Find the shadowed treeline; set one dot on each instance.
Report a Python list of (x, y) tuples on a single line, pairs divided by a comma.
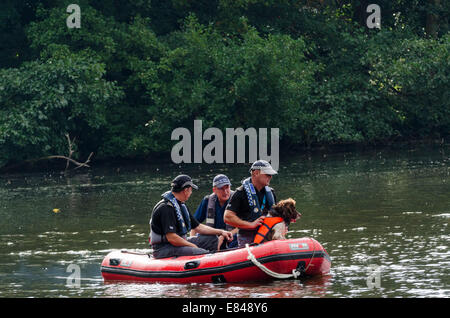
[(136, 70)]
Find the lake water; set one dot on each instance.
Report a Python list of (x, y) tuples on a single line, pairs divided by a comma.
[(382, 215)]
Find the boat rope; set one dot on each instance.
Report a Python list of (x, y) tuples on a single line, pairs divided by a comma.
[(312, 257), (295, 273)]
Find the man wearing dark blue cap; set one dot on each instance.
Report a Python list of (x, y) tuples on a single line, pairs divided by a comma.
[(251, 202), (171, 222), (213, 207)]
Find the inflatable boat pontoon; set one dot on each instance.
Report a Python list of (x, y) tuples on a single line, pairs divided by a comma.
[(274, 259)]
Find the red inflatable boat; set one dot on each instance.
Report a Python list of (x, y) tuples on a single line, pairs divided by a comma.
[(274, 259)]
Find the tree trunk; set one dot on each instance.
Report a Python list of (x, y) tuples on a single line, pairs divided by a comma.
[(432, 26), (359, 13)]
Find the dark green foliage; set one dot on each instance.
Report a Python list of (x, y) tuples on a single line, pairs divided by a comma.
[(136, 70), (247, 82), (414, 75), (40, 102)]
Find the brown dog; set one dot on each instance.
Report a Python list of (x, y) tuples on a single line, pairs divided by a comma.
[(287, 211)]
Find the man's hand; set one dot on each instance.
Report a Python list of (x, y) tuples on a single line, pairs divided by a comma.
[(258, 222), (232, 219), (227, 235)]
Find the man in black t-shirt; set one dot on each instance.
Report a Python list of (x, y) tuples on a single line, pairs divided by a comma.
[(171, 222), (251, 202)]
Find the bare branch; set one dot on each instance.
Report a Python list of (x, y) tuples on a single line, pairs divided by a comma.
[(78, 164)]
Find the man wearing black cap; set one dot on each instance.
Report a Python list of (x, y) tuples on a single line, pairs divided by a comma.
[(251, 202), (171, 222), (213, 207)]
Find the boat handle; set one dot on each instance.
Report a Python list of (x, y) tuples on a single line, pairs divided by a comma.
[(191, 264), (114, 261)]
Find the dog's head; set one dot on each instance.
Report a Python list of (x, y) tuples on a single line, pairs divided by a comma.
[(286, 210)]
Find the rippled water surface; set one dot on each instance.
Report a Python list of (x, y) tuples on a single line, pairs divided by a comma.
[(381, 215)]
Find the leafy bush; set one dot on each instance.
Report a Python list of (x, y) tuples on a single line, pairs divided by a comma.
[(136, 70), (414, 75), (42, 101), (243, 82)]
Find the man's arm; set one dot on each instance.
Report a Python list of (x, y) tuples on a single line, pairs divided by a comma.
[(177, 240), (232, 219), (207, 230), (168, 226)]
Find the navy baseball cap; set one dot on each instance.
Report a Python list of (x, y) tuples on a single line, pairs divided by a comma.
[(220, 180), (264, 166), (182, 181)]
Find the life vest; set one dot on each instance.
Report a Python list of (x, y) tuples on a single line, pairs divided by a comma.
[(264, 229), (211, 210), (253, 200), (182, 214)]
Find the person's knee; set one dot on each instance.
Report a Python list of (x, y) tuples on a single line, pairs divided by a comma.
[(199, 251), (175, 251), (207, 242)]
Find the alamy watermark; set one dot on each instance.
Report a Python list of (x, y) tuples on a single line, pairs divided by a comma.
[(74, 279), (374, 19), (74, 19), (373, 276), (213, 152)]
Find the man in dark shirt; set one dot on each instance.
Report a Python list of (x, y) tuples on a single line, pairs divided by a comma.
[(251, 202), (171, 222)]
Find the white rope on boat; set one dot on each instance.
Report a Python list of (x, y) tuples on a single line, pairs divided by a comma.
[(251, 257)]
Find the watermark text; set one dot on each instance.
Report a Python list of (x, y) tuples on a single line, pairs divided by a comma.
[(213, 152)]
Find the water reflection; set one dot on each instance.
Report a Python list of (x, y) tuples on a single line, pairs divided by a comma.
[(307, 287), (385, 209)]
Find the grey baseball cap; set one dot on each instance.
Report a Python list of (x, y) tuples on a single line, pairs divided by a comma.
[(264, 166), (220, 180)]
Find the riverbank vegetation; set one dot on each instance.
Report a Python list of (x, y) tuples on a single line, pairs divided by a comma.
[(136, 70)]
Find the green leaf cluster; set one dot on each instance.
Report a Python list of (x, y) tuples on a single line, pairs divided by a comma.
[(42, 101), (136, 70)]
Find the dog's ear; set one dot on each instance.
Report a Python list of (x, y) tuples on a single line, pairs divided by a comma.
[(275, 211), (287, 213), (292, 211), (289, 207)]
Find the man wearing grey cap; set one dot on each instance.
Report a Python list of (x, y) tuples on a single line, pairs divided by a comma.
[(171, 222), (213, 207), (251, 202)]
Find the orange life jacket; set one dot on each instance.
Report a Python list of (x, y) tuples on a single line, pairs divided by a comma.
[(264, 229)]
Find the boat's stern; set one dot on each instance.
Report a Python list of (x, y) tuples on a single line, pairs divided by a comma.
[(320, 262)]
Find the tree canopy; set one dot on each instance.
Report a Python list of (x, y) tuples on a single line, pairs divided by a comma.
[(136, 70)]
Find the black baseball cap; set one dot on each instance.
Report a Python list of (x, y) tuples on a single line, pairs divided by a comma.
[(182, 181)]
